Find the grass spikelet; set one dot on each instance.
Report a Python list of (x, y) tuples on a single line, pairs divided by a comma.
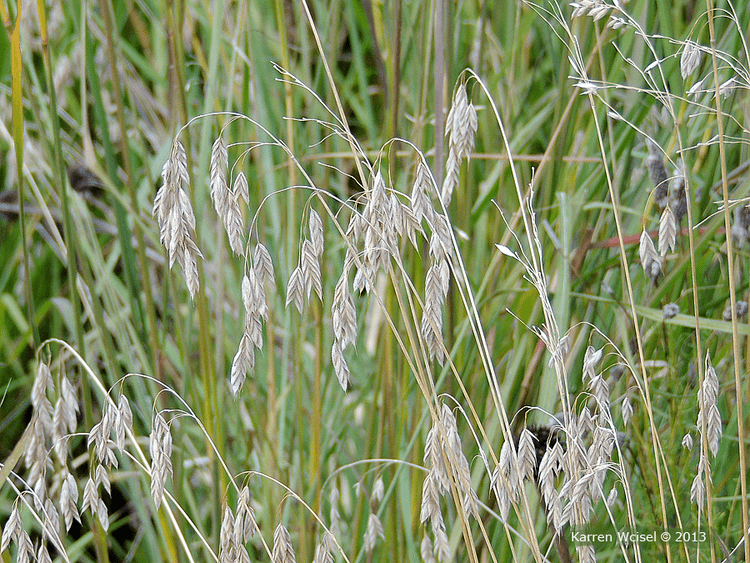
[(242, 364), (68, 498), (698, 488), (13, 528), (245, 524), (650, 260), (263, 265), (283, 552), (25, 548), (595, 9), (310, 268), (340, 367), (461, 128), (315, 226), (690, 59), (218, 184), (42, 554), (227, 546), (425, 550), (420, 202), (441, 544), (176, 219), (323, 552), (430, 505), (667, 231), (241, 188), (708, 412), (527, 455), (687, 441), (123, 422), (373, 532), (295, 289), (160, 447), (343, 313)]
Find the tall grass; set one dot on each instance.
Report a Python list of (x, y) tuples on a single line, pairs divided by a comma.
[(283, 280)]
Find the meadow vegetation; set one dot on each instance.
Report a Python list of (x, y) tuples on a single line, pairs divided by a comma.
[(367, 281)]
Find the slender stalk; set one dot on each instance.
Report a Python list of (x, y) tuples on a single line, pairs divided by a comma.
[(736, 353), (107, 10), (14, 34)]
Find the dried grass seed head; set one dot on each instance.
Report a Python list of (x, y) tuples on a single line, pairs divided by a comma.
[(670, 310), (282, 552), (667, 231), (690, 59), (218, 188), (315, 226), (596, 9), (421, 204), (373, 532), (175, 217), (241, 188)]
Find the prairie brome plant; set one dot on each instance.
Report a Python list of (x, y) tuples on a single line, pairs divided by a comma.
[(363, 411)]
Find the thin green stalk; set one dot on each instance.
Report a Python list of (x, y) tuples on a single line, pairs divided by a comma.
[(732, 297), (438, 87), (107, 11), (14, 36)]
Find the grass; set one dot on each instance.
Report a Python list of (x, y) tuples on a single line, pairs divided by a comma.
[(521, 303)]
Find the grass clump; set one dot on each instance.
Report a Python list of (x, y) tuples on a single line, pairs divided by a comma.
[(364, 304)]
